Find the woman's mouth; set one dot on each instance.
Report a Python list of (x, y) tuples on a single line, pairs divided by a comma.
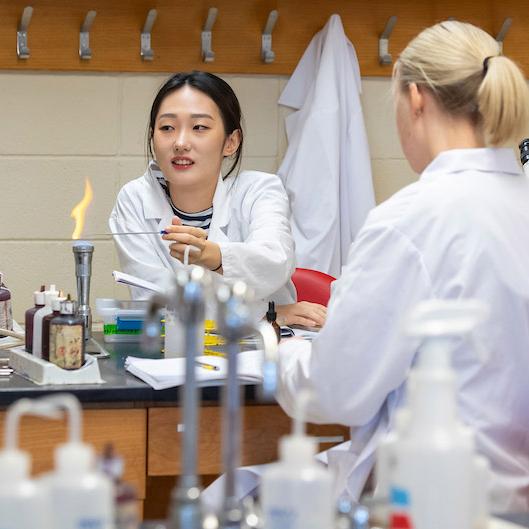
[(182, 163)]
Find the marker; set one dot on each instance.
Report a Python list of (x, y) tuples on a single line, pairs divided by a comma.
[(207, 366)]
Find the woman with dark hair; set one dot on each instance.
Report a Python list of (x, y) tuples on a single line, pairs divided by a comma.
[(236, 225)]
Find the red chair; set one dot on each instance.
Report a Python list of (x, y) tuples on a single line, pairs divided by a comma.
[(312, 285)]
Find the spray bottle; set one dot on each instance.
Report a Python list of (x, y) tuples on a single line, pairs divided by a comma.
[(79, 495), (435, 478), (297, 491), (22, 500)]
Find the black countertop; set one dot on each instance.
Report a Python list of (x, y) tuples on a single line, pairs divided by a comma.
[(121, 389)]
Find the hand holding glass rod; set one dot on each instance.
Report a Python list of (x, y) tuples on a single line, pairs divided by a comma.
[(161, 232)]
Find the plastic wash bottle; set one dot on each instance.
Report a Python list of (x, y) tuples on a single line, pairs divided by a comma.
[(297, 491), (22, 500), (435, 478), (80, 496)]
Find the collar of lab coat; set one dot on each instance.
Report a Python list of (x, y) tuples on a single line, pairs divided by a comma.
[(489, 160), (156, 205)]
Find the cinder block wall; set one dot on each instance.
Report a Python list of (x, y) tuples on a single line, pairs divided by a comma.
[(58, 129)]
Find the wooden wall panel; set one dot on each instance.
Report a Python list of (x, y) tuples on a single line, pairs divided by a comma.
[(262, 427), (53, 35), (126, 429)]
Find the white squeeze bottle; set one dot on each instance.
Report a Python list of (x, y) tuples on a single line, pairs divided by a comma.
[(297, 491), (435, 478), (22, 500), (80, 496), (49, 296)]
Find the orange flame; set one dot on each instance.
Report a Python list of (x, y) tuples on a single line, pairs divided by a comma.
[(79, 211)]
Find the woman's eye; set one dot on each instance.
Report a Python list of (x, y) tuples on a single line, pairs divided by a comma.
[(200, 127), (166, 127)]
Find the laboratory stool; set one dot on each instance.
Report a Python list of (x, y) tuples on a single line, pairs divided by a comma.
[(312, 285)]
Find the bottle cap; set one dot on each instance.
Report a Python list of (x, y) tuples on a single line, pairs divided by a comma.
[(15, 465), (271, 314), (56, 303), (297, 448), (74, 458), (49, 296), (38, 295), (68, 306)]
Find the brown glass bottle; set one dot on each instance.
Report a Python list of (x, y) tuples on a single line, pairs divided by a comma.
[(30, 316), (67, 337), (56, 308)]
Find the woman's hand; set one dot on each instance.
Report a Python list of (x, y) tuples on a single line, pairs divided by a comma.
[(202, 251), (302, 313)]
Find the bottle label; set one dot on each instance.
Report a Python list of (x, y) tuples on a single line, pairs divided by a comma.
[(66, 346), (6, 315), (400, 517)]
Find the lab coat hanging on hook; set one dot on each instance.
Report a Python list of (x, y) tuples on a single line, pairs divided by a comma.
[(327, 168)]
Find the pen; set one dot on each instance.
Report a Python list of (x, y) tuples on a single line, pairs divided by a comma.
[(207, 366)]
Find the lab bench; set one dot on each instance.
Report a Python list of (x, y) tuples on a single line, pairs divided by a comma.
[(143, 425)]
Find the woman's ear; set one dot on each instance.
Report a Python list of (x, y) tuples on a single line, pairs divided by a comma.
[(416, 99), (232, 143)]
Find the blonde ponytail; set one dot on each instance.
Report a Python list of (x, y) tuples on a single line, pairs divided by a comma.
[(503, 101), (461, 65)]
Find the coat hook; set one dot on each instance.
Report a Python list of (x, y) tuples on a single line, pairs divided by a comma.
[(267, 55), (84, 36), (146, 52), (22, 33), (384, 57), (207, 53), (500, 37)]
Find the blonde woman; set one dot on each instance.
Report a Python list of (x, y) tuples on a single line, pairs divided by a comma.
[(461, 230)]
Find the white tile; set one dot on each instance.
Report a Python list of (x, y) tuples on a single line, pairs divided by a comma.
[(379, 117), (258, 97), (389, 176), (27, 265), (59, 113), (138, 93), (38, 195)]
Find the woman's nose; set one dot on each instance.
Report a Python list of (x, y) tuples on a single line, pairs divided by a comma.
[(181, 143)]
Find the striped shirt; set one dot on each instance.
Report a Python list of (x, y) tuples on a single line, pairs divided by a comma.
[(201, 219)]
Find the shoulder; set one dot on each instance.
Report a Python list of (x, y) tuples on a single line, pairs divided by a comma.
[(256, 184)]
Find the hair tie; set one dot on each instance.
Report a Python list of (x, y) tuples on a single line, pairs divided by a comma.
[(486, 64)]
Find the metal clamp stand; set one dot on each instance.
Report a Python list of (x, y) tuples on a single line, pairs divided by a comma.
[(235, 321), (267, 54), (384, 57), (146, 52), (189, 303), (208, 55)]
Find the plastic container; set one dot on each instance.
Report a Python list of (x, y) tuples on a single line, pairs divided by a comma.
[(435, 478), (49, 295), (122, 319), (297, 491), (80, 496), (38, 298)]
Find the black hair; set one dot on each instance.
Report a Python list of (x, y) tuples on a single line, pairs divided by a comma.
[(215, 88)]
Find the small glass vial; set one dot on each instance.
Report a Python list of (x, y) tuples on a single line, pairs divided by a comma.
[(67, 337), (6, 313)]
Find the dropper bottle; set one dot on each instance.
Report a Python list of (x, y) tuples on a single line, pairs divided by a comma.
[(49, 295), (55, 311), (271, 318), (296, 492)]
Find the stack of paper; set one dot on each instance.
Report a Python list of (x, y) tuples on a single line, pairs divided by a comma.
[(170, 372)]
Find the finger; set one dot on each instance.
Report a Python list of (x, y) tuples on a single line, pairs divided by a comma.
[(301, 320), (186, 238), (176, 221), (199, 233)]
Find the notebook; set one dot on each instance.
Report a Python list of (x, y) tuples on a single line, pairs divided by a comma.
[(170, 372), (130, 280)]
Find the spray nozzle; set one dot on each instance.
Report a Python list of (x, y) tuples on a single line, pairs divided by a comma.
[(72, 407), (445, 321)]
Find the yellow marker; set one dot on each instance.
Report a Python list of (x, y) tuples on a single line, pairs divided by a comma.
[(207, 366)]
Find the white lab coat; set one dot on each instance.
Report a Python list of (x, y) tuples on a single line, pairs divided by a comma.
[(461, 231), (327, 168), (250, 224)]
